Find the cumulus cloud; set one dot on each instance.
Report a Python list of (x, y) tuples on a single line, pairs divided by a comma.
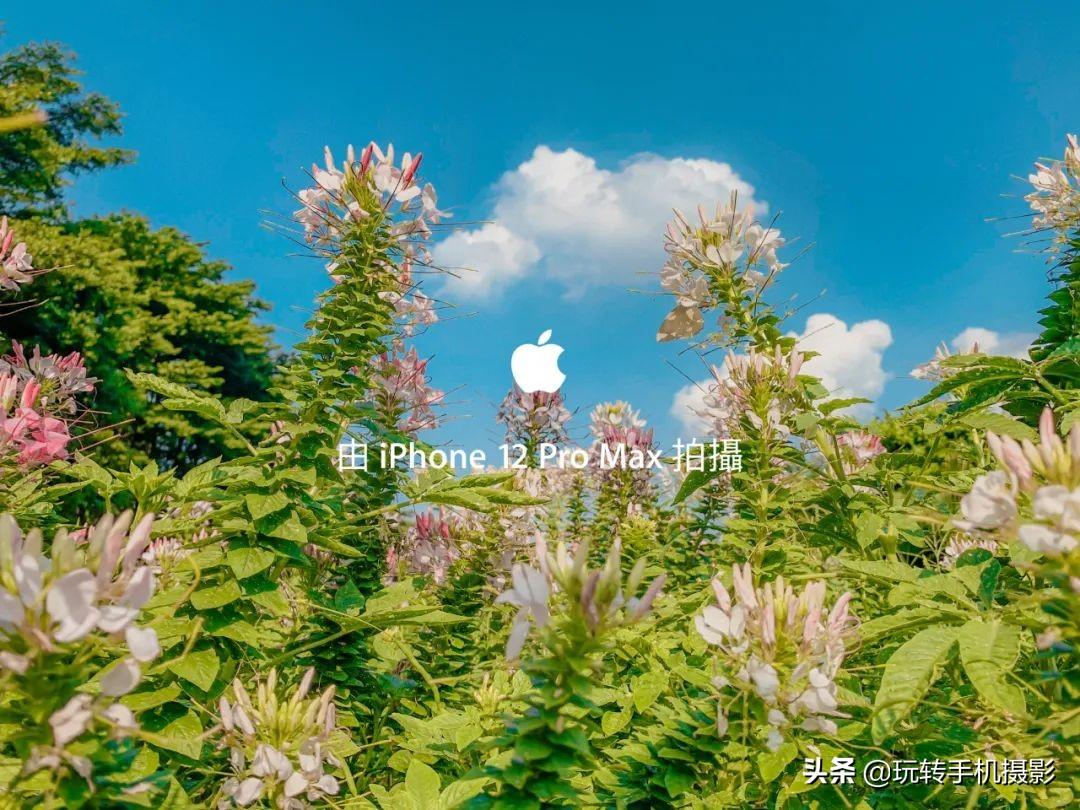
[(848, 364), (849, 359), (487, 259), (688, 402), (1011, 344), (560, 215)]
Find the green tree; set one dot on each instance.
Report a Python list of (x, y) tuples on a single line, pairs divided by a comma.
[(125, 294), (36, 163)]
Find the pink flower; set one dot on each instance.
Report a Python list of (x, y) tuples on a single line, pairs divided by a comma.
[(39, 439), (859, 448), (534, 418), (15, 262), (329, 205), (403, 391)]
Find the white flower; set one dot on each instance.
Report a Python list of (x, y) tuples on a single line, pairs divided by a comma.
[(1059, 507), (246, 792), (15, 262), (277, 744), (71, 604), (780, 646), (122, 678), (72, 720), (991, 504), (725, 244), (764, 677), (269, 761), (1046, 540), (143, 643), (530, 592), (121, 716), (721, 722), (1058, 504), (1055, 199), (774, 739), (11, 611), (14, 663)]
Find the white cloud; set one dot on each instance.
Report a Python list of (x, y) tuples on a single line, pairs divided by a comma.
[(582, 225), (688, 401), (849, 359), (1011, 344), (486, 259), (848, 364)]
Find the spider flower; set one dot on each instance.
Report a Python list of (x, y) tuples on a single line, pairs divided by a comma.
[(614, 415), (81, 598), (1055, 198), (858, 448), (1049, 472), (784, 647), (16, 263), (402, 390), (745, 379), (725, 254), (531, 419), (374, 186), (278, 745), (586, 602)]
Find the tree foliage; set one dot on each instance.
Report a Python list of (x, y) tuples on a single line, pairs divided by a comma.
[(128, 295)]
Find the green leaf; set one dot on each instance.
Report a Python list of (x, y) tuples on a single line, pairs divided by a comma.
[(459, 792), (678, 780), (347, 597), (904, 619), (647, 688), (988, 582), (273, 600), (489, 479), (988, 651), (772, 763), (422, 784), (159, 385), (238, 409), (466, 497), (336, 546), (837, 404), (216, 596), (1001, 424), (908, 674), (290, 529), (205, 407), (885, 570), (141, 701), (199, 667), (531, 748), (260, 505), (695, 480), (182, 735), (907, 593), (246, 562), (614, 722), (242, 631), (511, 497), (868, 526)]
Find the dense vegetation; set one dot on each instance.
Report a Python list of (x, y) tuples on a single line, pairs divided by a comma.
[(260, 627)]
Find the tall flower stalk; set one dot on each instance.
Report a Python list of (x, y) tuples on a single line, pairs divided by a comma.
[(574, 610)]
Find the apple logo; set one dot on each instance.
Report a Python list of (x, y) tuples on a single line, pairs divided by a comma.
[(536, 366)]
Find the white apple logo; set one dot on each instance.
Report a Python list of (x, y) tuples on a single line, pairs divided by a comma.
[(536, 366)]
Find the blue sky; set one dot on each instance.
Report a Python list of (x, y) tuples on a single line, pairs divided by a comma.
[(885, 138)]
